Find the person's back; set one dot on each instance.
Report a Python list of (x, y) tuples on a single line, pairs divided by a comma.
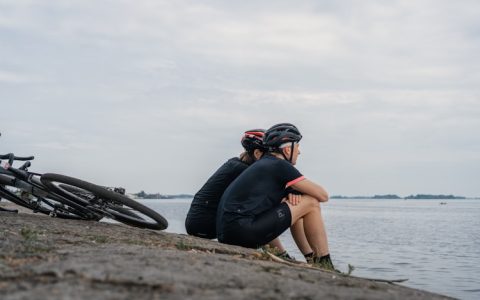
[(201, 217), (202, 213)]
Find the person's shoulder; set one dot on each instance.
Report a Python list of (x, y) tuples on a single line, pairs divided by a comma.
[(270, 161), (269, 158), (236, 162), (281, 164)]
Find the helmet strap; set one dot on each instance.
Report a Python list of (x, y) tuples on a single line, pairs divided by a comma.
[(291, 152)]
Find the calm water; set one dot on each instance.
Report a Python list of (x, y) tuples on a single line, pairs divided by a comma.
[(437, 247)]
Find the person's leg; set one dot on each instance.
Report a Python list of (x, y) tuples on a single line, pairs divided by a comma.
[(279, 250), (277, 244), (298, 233), (309, 210), (256, 231)]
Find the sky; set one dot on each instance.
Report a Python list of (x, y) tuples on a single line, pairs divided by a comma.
[(154, 95)]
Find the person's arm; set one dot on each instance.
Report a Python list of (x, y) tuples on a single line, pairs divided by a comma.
[(309, 187)]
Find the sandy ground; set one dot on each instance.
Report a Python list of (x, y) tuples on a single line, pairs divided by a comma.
[(51, 258)]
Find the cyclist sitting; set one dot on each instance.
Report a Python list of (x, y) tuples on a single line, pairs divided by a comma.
[(201, 217), (256, 207)]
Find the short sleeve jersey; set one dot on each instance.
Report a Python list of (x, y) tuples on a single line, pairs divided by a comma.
[(211, 192), (258, 189)]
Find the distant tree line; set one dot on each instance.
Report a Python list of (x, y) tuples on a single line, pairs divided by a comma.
[(424, 196), (143, 195), (393, 196)]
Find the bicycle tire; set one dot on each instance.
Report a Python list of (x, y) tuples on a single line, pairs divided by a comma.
[(89, 197), (108, 200), (48, 204), (67, 206)]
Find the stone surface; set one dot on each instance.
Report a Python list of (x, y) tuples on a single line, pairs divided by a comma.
[(51, 258)]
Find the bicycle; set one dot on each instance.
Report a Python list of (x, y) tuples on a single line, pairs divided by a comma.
[(67, 197), (104, 202), (29, 192)]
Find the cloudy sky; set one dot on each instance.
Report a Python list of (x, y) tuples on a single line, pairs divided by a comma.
[(154, 95)]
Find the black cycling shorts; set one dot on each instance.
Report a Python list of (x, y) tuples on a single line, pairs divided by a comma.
[(201, 222), (254, 232)]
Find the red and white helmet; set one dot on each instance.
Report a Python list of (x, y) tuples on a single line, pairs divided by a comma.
[(253, 139)]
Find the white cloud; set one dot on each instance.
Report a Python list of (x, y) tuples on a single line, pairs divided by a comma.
[(374, 86), (13, 78)]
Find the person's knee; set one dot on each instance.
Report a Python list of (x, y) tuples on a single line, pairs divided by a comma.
[(311, 202)]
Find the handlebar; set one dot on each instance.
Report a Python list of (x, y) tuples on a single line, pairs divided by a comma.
[(11, 157)]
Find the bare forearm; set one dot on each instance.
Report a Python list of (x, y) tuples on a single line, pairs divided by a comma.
[(309, 187)]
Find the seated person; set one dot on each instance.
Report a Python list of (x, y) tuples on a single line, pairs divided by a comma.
[(256, 207)]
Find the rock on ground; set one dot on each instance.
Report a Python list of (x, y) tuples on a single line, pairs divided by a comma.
[(50, 258)]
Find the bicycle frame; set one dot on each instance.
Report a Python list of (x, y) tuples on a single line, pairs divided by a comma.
[(8, 178), (26, 186), (29, 183)]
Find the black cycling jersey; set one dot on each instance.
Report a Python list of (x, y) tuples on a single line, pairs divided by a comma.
[(201, 218), (259, 189)]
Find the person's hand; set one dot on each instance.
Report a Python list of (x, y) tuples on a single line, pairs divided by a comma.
[(294, 199)]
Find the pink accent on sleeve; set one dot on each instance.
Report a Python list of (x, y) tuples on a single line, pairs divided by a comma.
[(290, 183)]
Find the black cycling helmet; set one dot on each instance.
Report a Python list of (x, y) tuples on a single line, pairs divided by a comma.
[(253, 139), (280, 134)]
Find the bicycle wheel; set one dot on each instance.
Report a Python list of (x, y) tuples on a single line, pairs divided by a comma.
[(89, 197), (62, 206), (32, 195), (101, 200)]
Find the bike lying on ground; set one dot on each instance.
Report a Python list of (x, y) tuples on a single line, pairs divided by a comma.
[(67, 197), (104, 202), (24, 188)]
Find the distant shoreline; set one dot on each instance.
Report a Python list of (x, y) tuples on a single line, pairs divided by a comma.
[(414, 197), (143, 195)]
